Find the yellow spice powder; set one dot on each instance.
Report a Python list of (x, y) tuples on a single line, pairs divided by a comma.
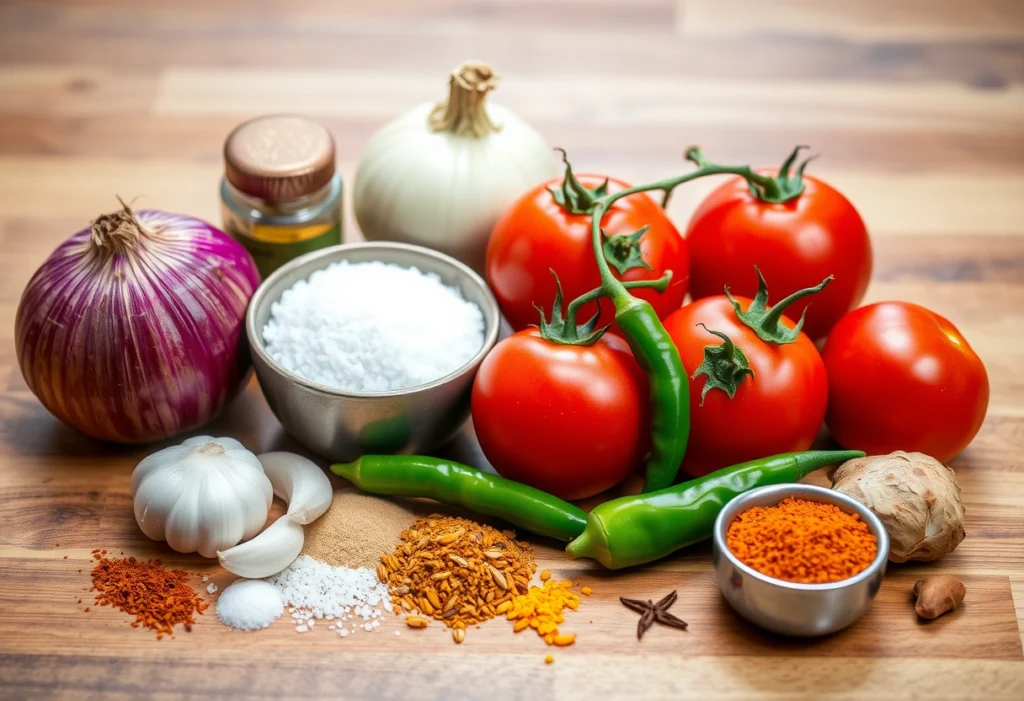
[(541, 608)]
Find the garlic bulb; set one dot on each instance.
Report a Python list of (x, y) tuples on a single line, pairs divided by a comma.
[(308, 493), (441, 175), (204, 495)]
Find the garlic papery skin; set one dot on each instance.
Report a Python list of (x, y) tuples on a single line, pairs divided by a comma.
[(300, 482), (268, 553), (205, 495), (440, 175)]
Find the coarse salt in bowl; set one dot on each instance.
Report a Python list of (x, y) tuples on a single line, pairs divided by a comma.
[(373, 327), (312, 327)]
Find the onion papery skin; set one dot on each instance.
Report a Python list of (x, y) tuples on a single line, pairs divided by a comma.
[(140, 336)]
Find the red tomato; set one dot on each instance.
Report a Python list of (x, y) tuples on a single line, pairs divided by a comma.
[(778, 409), (536, 235), (901, 377), (795, 244), (570, 420)]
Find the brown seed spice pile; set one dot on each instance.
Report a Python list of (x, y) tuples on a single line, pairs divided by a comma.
[(456, 571)]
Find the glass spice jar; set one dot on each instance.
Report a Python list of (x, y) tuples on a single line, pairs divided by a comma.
[(281, 196)]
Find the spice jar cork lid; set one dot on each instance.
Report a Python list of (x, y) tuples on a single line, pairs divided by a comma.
[(279, 157)]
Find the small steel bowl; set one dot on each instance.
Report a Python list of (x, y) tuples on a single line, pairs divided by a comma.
[(341, 424), (790, 608)]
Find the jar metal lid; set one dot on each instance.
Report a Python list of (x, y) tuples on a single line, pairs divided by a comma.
[(279, 157)]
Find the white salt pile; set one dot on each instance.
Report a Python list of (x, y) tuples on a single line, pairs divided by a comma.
[(348, 599), (373, 327), (250, 604), (314, 591)]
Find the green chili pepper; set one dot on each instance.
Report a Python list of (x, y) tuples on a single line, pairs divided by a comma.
[(637, 529), (651, 345), (658, 358), (453, 483)]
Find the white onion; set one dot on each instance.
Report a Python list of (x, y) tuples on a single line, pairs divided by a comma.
[(441, 175)]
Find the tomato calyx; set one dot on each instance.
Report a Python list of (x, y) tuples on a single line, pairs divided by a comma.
[(725, 366), (782, 188), (764, 320), (573, 196), (563, 330), (622, 251)]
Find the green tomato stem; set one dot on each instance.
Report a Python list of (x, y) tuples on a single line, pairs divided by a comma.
[(611, 287), (659, 285)]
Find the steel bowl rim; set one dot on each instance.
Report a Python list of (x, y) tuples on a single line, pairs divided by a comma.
[(259, 299), (787, 490)]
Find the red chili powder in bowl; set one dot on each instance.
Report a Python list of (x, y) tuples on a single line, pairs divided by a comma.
[(802, 541)]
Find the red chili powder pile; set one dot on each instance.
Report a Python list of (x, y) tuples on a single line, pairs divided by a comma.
[(159, 598), (802, 541)]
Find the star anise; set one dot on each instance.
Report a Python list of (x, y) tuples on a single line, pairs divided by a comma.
[(651, 613)]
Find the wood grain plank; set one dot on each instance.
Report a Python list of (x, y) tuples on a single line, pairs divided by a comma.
[(155, 40), (606, 99), (200, 138), (372, 676), (797, 679), (636, 14), (1017, 589), (949, 258), (868, 19), (75, 91)]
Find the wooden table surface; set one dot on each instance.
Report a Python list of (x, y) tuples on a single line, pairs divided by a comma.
[(916, 107)]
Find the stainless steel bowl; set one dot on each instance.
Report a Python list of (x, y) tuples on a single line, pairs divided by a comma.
[(790, 608), (340, 424)]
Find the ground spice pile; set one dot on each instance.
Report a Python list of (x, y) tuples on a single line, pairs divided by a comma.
[(356, 529), (456, 571), (159, 598), (541, 608), (802, 541)]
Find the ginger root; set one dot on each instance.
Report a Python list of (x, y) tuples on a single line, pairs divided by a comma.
[(937, 595), (915, 496)]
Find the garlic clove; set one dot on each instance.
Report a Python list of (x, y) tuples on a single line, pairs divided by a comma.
[(153, 500), (242, 471), (226, 510), (155, 463), (300, 482), (266, 554), (183, 522)]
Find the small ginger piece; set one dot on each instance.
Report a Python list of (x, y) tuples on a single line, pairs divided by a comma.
[(938, 594), (916, 497)]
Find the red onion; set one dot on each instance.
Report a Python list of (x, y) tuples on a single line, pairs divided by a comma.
[(133, 329)]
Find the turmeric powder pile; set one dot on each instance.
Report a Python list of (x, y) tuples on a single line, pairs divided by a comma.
[(802, 541), (541, 608), (455, 571)]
